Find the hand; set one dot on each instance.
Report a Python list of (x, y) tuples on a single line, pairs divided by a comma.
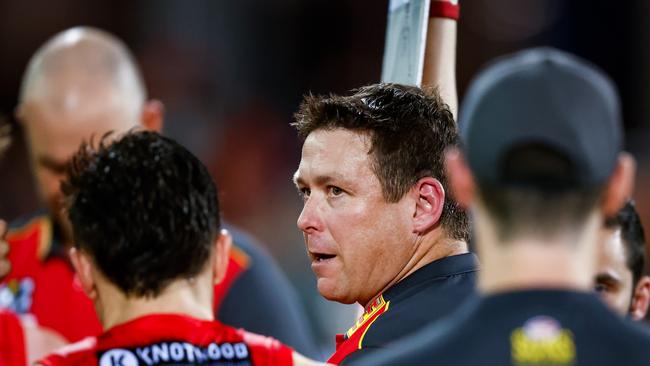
[(5, 265)]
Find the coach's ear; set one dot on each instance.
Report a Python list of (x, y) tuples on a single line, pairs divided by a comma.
[(83, 265), (620, 185), (430, 201), (153, 113), (461, 180), (221, 255)]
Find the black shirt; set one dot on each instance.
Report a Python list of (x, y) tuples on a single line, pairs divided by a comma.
[(428, 294), (526, 328), (263, 301)]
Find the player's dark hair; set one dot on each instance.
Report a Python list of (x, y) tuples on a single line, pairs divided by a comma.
[(410, 129), (144, 208), (629, 222), (539, 195)]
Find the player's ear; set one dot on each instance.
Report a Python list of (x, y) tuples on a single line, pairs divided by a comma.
[(221, 256), (83, 266), (153, 112), (460, 178), (620, 185), (430, 200), (641, 299)]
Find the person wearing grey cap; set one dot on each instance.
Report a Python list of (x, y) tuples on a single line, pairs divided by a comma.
[(540, 168)]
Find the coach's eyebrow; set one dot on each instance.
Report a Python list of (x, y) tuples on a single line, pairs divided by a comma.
[(324, 179), (297, 180)]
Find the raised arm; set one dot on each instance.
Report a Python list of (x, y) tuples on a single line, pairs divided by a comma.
[(440, 53)]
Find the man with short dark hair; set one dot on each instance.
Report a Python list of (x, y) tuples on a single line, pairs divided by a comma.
[(541, 168), (619, 278), (144, 213), (379, 223)]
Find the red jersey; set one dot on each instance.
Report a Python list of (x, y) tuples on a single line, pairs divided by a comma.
[(12, 346), (42, 282), (164, 339)]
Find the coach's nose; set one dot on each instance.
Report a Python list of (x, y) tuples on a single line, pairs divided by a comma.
[(310, 220)]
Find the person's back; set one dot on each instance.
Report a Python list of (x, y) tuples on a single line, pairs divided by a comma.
[(533, 327), (540, 174), (148, 249)]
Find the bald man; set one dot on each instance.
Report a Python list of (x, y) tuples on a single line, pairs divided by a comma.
[(82, 83)]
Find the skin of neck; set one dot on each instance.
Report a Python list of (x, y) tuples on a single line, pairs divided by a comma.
[(429, 247), (562, 260), (192, 297)]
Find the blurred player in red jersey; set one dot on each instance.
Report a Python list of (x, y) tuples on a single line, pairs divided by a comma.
[(17, 336), (12, 342), (84, 82), (5, 265), (149, 248)]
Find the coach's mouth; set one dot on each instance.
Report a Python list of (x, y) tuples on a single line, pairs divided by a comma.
[(320, 257)]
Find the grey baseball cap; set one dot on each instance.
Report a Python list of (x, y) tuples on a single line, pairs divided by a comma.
[(548, 98)]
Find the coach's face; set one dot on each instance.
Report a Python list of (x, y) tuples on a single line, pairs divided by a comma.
[(357, 242)]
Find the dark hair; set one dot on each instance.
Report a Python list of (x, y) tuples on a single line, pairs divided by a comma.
[(628, 220), (538, 195), (144, 208), (410, 129)]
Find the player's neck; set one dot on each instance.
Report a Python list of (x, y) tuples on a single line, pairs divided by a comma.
[(566, 262), (428, 248), (185, 297)]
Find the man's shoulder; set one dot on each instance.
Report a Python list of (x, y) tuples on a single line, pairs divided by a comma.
[(584, 335), (247, 245), (248, 253), (428, 304), (30, 238), (416, 305), (625, 335), (26, 227)]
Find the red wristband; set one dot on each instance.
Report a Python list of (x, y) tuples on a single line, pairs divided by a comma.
[(444, 9)]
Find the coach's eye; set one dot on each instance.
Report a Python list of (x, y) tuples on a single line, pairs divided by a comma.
[(304, 193), (335, 191)]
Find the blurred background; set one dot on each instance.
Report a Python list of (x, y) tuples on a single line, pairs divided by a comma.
[(231, 74)]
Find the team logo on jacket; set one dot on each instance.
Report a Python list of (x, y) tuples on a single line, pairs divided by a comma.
[(178, 353), (378, 306), (118, 357), (542, 341)]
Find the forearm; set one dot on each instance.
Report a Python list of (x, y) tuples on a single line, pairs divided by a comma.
[(440, 58)]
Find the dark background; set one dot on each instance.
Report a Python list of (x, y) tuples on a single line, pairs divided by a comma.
[(231, 73)]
